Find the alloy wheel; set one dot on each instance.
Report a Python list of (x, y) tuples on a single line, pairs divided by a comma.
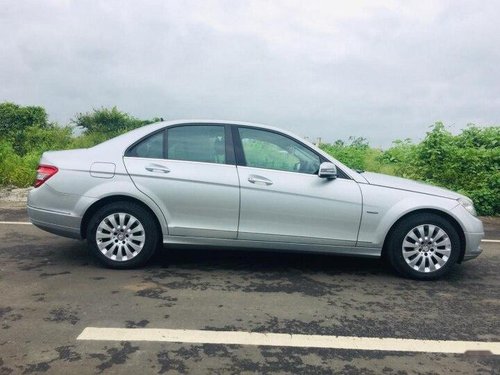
[(120, 236), (426, 248)]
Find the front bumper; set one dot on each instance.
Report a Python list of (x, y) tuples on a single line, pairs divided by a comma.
[(60, 223), (472, 245), (473, 232)]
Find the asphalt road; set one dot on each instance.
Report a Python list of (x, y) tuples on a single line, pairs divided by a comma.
[(52, 289)]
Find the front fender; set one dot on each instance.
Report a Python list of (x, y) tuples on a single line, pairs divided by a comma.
[(382, 207)]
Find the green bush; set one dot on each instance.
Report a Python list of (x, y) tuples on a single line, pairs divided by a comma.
[(358, 155), (51, 138), (88, 140), (352, 154), (15, 169), (468, 162)]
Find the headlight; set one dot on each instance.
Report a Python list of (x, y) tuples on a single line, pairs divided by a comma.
[(468, 205)]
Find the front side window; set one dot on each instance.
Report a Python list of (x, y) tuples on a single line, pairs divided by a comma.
[(265, 149), (151, 147), (203, 143)]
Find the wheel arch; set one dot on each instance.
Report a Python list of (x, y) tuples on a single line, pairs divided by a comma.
[(93, 208), (443, 214)]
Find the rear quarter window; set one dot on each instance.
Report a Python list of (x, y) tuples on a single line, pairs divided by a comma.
[(150, 147)]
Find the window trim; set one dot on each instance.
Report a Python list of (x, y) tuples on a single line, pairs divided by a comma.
[(230, 150), (240, 154)]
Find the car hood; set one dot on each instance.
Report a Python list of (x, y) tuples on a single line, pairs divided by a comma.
[(409, 185)]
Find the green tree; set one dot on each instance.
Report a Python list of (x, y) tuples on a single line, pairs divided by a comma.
[(108, 122), (16, 120)]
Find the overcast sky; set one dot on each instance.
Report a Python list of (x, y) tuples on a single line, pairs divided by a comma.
[(378, 69)]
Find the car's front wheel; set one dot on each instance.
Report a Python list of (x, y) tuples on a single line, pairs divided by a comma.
[(423, 246), (122, 235)]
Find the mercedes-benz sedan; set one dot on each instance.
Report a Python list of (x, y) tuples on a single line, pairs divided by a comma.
[(245, 185)]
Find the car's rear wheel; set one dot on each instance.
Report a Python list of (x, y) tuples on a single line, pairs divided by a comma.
[(122, 235), (423, 246)]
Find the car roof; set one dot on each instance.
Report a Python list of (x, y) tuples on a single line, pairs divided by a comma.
[(210, 121)]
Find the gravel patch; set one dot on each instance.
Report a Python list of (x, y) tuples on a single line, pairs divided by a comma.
[(13, 197)]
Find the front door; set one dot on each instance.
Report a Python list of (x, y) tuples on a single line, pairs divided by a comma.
[(282, 197)]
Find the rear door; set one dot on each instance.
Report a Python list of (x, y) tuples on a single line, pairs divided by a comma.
[(282, 197), (189, 171)]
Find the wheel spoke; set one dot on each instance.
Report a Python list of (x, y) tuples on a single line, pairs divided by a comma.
[(129, 254), (445, 254), (413, 236), (105, 225), (110, 251), (132, 221), (138, 228), (421, 231), (121, 219), (441, 236), (104, 244), (415, 260), (139, 238), (119, 253), (113, 222), (421, 266), (432, 229), (444, 251), (101, 235), (408, 244), (410, 253), (136, 248), (439, 261), (432, 268)]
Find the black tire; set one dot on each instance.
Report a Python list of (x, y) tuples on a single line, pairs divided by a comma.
[(151, 234), (395, 246)]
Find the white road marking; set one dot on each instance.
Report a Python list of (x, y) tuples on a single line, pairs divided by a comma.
[(15, 222), (28, 223), (283, 339)]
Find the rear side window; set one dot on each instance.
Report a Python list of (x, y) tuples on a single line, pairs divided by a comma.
[(203, 143), (151, 147)]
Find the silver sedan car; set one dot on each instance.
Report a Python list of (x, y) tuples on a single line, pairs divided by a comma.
[(246, 185)]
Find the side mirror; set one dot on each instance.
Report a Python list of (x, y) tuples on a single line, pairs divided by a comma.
[(327, 170)]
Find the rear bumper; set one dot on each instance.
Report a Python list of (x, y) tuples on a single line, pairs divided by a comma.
[(60, 223)]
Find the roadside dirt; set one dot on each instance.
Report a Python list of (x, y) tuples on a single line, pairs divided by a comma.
[(13, 197), (491, 227)]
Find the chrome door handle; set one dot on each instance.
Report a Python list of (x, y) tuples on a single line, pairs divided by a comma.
[(254, 179), (157, 168)]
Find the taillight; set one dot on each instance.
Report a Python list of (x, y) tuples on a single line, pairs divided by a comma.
[(43, 173)]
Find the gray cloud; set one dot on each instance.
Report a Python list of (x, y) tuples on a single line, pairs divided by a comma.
[(383, 70)]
